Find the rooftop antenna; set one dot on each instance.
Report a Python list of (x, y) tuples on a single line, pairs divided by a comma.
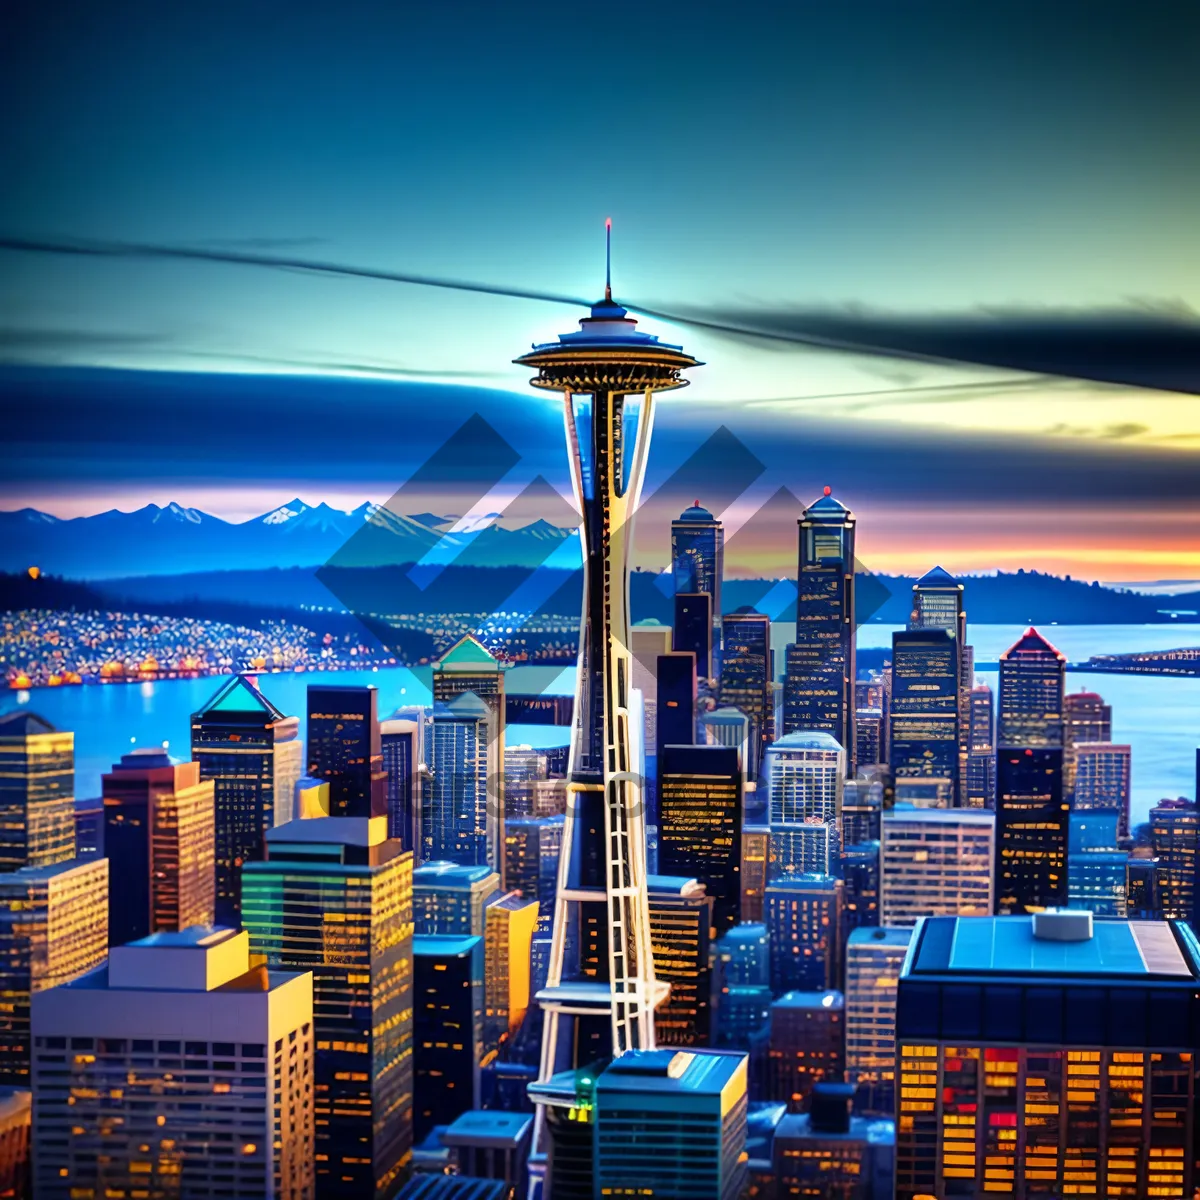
[(608, 259)]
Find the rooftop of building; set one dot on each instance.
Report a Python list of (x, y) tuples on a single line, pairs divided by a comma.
[(444, 945), (798, 1127), (468, 652), (879, 935), (807, 739), (146, 758), (488, 1127), (903, 811), (20, 723), (1009, 946), (703, 1072), (453, 1187), (240, 694), (832, 1000), (363, 832), (22, 877), (1031, 643), (826, 506), (675, 885), (804, 882), (696, 513), (441, 873), (194, 937), (937, 577)]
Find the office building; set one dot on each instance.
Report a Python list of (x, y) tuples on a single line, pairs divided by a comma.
[(448, 1002), (510, 923), (698, 566), (981, 749), (1101, 774), (936, 861), (872, 704), (468, 667), (810, 847), (1050, 1054), (345, 750), (346, 880), (819, 683), (179, 1069), (1032, 681), (700, 823), (53, 929), (873, 961), (862, 808), (1097, 879), (451, 899), (725, 727), (1031, 830), (159, 838), (743, 992), (808, 1045), (648, 639), (15, 1106), (756, 857), (458, 819), (491, 1145), (803, 915), (524, 767), (692, 630), (1175, 839), (681, 922), (672, 1124), (252, 754), (532, 846), (1086, 718), (747, 679), (926, 699), (831, 1153), (861, 872), (676, 719), (37, 792), (868, 736), (402, 744), (89, 827), (550, 796), (804, 775)]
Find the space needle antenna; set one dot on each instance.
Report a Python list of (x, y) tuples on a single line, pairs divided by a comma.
[(608, 258)]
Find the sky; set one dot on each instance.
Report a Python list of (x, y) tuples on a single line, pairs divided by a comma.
[(939, 178)]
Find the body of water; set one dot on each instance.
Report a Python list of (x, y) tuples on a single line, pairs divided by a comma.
[(1159, 716)]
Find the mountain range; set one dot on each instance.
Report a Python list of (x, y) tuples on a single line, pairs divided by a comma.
[(174, 540)]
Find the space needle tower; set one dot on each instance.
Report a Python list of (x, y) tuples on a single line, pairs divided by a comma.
[(601, 992)]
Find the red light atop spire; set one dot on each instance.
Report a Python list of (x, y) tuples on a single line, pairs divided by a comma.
[(828, 490)]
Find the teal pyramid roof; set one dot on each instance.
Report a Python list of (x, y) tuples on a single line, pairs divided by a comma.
[(938, 578), (466, 652)]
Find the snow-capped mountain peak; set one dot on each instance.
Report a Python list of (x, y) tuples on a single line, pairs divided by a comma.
[(285, 512)]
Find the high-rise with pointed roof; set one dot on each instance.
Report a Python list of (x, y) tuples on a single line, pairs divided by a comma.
[(819, 685), (468, 666), (698, 564), (253, 755), (457, 823), (1031, 810), (37, 788), (607, 374)]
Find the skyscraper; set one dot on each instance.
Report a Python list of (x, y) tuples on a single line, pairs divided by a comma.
[(808, 1045), (1102, 772), (608, 374), (532, 846), (981, 751), (510, 923), (254, 757), (747, 678), (936, 861), (692, 630), (523, 767), (402, 745), (676, 720), (698, 565), (681, 922), (925, 708), (468, 667), (1097, 871), (862, 808), (700, 823), (804, 776), (1047, 1055), (37, 792), (334, 897), (1175, 837), (344, 749), (873, 961), (756, 856), (803, 915), (1031, 811), (448, 1000), (1086, 718), (819, 686), (458, 819), (938, 604), (176, 1070), (452, 899), (861, 870), (159, 839), (53, 928)]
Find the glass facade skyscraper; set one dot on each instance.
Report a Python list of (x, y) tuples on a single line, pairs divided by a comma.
[(1086, 718), (819, 684), (344, 749), (808, 1045), (457, 821), (681, 922), (253, 755), (691, 631), (924, 737), (747, 679), (1032, 682), (981, 750), (402, 745), (873, 961), (698, 565), (37, 792), (334, 897), (1102, 779)]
